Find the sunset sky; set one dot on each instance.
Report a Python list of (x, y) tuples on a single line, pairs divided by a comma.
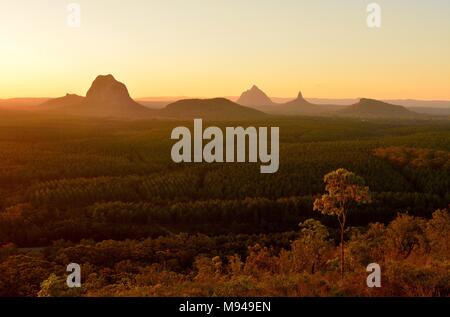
[(212, 48)]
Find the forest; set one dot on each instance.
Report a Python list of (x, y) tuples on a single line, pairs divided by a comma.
[(105, 194)]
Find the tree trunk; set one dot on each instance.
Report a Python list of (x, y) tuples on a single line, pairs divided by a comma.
[(342, 223), (342, 252)]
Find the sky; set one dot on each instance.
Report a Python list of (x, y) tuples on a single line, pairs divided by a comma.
[(210, 48)]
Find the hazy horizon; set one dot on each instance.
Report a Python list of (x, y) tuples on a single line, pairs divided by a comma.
[(233, 98), (275, 99)]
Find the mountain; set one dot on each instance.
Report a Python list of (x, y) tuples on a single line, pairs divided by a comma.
[(299, 101), (109, 98), (371, 108), (107, 90), (67, 100), (300, 106), (220, 109), (105, 98), (254, 97)]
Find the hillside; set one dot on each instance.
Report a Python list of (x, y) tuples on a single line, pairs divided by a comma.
[(211, 109), (371, 108), (67, 100)]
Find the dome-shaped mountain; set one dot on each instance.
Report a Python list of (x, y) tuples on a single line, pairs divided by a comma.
[(106, 89), (254, 97), (220, 109), (106, 97), (371, 108)]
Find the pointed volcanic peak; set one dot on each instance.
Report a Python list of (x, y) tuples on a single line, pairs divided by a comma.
[(299, 101), (106, 97), (300, 106), (371, 108), (219, 109), (255, 97)]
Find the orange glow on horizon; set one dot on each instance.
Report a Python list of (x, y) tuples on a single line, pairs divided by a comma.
[(218, 49)]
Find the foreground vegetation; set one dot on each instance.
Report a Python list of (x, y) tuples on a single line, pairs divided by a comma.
[(414, 255)]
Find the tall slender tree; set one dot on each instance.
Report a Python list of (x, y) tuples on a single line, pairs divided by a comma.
[(344, 188)]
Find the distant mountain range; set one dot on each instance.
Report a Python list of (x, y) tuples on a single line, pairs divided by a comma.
[(430, 107), (257, 99), (363, 108), (108, 97)]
